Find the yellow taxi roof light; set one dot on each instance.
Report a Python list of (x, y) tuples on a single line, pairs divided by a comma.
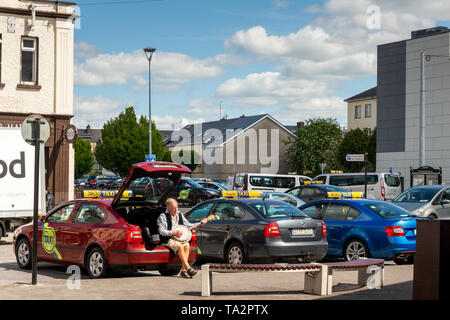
[(346, 195), (241, 194)]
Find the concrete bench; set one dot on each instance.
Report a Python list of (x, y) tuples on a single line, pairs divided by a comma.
[(316, 276), (367, 268)]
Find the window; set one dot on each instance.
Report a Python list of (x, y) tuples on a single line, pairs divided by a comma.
[(201, 211), (262, 181), (285, 182), (295, 192), (88, 213), (392, 180), (274, 209), (29, 61), (315, 210), (357, 111), (368, 110), (336, 211), (228, 211), (322, 179), (340, 180), (285, 199), (62, 214)]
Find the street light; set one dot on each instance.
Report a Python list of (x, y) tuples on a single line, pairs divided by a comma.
[(149, 53)]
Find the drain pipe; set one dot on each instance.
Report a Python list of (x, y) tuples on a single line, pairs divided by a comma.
[(33, 17)]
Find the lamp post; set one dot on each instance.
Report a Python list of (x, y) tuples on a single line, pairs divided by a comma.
[(149, 53)]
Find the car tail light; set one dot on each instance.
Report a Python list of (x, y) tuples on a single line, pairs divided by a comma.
[(383, 191), (395, 231), (148, 188), (134, 235), (194, 235), (324, 229), (272, 230)]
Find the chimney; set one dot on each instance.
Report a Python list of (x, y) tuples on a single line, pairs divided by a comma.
[(300, 124)]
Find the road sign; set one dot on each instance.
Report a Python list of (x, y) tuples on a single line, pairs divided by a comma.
[(355, 157), (150, 157), (28, 132)]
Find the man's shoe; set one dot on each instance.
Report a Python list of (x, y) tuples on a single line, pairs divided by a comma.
[(192, 272)]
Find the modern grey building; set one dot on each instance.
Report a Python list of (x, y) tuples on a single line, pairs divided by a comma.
[(398, 94)]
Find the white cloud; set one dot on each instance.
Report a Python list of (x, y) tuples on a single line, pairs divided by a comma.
[(167, 68), (84, 50), (169, 122), (95, 111), (280, 3), (268, 88)]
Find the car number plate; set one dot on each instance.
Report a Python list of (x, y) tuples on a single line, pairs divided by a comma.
[(302, 232)]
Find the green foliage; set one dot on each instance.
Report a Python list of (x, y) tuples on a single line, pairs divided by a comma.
[(84, 158), (125, 142), (372, 149), (192, 159), (317, 141), (355, 142)]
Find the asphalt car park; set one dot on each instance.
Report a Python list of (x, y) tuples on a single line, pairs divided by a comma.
[(55, 283)]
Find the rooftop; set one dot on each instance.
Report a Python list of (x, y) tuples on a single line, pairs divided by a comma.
[(368, 94)]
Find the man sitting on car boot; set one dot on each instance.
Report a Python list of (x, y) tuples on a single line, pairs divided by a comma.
[(167, 221)]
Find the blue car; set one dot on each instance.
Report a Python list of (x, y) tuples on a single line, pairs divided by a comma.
[(366, 228)]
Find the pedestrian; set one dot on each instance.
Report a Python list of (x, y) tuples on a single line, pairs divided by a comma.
[(167, 221), (49, 199)]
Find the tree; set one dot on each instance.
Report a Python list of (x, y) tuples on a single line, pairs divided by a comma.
[(125, 142), (315, 142), (355, 141), (372, 149), (84, 158)]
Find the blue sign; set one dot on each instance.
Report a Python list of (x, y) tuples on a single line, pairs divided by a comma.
[(150, 158), (390, 170)]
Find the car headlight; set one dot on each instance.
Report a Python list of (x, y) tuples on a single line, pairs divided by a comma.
[(419, 211)]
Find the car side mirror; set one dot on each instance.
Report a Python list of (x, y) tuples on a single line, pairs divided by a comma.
[(445, 201)]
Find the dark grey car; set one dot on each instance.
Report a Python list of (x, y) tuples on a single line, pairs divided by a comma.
[(246, 230)]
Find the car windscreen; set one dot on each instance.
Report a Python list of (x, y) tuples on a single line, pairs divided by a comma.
[(387, 210), (275, 209), (417, 195), (334, 188)]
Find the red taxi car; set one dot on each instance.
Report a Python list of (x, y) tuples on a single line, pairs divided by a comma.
[(102, 235)]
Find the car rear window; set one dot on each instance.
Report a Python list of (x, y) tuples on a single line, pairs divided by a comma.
[(334, 188), (387, 210), (276, 209), (392, 180)]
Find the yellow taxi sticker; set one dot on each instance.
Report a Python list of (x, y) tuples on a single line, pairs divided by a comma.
[(49, 241), (104, 193)]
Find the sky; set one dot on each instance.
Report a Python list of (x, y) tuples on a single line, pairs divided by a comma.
[(294, 60)]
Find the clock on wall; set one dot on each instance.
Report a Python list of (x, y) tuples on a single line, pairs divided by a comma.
[(71, 133)]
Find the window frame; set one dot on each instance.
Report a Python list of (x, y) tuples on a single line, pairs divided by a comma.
[(368, 114), (1, 47), (35, 66), (358, 115)]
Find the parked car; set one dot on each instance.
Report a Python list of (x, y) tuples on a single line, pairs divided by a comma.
[(101, 235), (380, 185), (426, 201), (286, 197), (221, 181), (245, 230), (190, 192), (310, 192), (267, 182), (213, 185), (80, 183), (366, 228)]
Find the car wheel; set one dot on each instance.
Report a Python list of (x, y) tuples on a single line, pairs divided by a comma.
[(96, 263), (432, 216), (355, 249), (235, 254), (23, 254), (169, 272)]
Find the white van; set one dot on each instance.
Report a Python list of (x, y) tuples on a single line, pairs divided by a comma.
[(380, 186), (267, 182)]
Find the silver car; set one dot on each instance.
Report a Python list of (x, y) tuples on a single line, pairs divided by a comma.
[(286, 197), (426, 201)]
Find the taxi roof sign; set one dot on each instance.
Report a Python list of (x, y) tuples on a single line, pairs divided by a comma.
[(345, 195), (312, 182), (241, 194)]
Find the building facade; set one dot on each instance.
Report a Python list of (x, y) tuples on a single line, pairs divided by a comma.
[(398, 95), (362, 111), (36, 77), (245, 144)]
